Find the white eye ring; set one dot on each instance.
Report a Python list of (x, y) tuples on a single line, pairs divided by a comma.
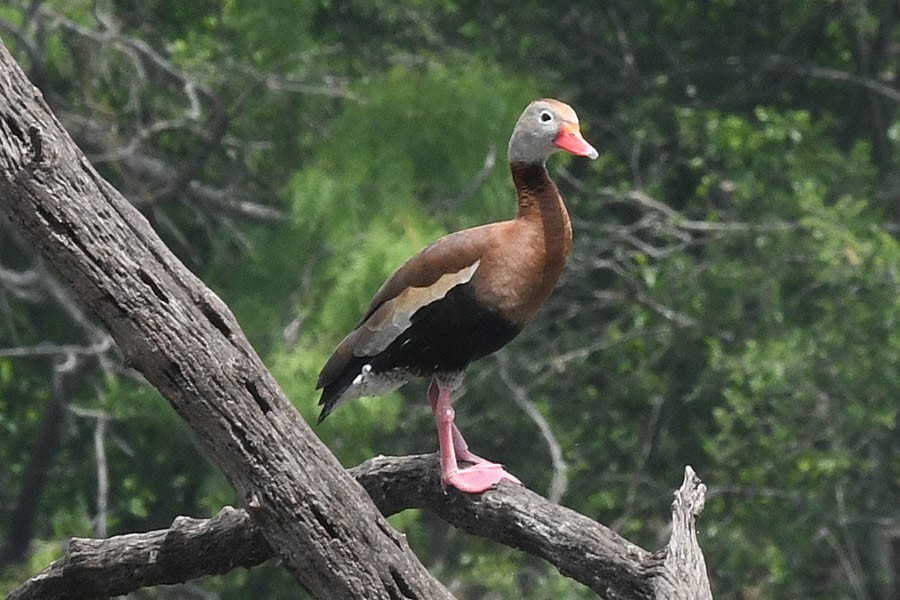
[(546, 116)]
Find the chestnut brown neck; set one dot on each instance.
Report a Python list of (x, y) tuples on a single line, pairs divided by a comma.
[(542, 207)]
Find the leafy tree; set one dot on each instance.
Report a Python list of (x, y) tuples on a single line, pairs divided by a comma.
[(730, 302)]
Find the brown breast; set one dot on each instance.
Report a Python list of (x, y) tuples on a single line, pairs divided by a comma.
[(526, 255)]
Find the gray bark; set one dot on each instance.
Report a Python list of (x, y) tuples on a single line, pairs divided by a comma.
[(190, 548), (576, 545), (186, 342)]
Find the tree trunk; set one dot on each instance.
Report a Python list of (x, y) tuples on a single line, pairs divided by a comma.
[(186, 342)]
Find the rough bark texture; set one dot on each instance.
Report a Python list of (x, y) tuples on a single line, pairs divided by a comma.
[(190, 548), (579, 547), (514, 515), (187, 343), (683, 574)]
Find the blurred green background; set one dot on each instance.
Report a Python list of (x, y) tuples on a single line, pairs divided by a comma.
[(731, 302)]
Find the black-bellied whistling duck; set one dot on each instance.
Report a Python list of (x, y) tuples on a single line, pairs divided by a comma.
[(465, 296)]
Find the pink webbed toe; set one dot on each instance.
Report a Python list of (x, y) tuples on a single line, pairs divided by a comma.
[(478, 478)]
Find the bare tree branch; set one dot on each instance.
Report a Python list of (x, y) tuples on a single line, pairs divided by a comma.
[(471, 188), (101, 419), (190, 548), (50, 349), (683, 565), (187, 343), (576, 545), (129, 143)]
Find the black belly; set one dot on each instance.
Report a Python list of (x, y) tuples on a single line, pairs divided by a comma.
[(446, 336)]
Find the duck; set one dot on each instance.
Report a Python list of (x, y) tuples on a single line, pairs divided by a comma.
[(465, 296)]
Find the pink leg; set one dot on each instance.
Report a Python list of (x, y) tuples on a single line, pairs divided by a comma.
[(462, 449), (478, 478), (459, 443)]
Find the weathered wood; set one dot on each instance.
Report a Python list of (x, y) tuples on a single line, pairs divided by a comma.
[(186, 342), (683, 573), (514, 515), (190, 548), (576, 545)]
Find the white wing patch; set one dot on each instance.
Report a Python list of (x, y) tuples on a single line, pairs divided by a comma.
[(394, 316), (363, 375)]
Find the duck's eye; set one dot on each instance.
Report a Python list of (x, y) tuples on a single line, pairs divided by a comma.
[(546, 117)]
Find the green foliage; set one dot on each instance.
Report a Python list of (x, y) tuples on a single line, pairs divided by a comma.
[(800, 367), (747, 327)]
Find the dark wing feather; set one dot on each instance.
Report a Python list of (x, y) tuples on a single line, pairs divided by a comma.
[(419, 281)]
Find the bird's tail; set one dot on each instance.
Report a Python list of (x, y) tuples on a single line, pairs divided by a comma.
[(337, 391), (331, 397)]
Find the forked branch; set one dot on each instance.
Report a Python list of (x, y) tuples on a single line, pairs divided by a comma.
[(576, 545)]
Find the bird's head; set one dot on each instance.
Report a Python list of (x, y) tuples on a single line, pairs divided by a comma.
[(547, 126)]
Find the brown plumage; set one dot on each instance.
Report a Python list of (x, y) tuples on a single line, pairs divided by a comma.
[(466, 295)]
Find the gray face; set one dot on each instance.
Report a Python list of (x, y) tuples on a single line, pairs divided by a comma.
[(536, 130)]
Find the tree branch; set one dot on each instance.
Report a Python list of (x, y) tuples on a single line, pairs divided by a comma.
[(187, 343), (99, 568), (576, 545)]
